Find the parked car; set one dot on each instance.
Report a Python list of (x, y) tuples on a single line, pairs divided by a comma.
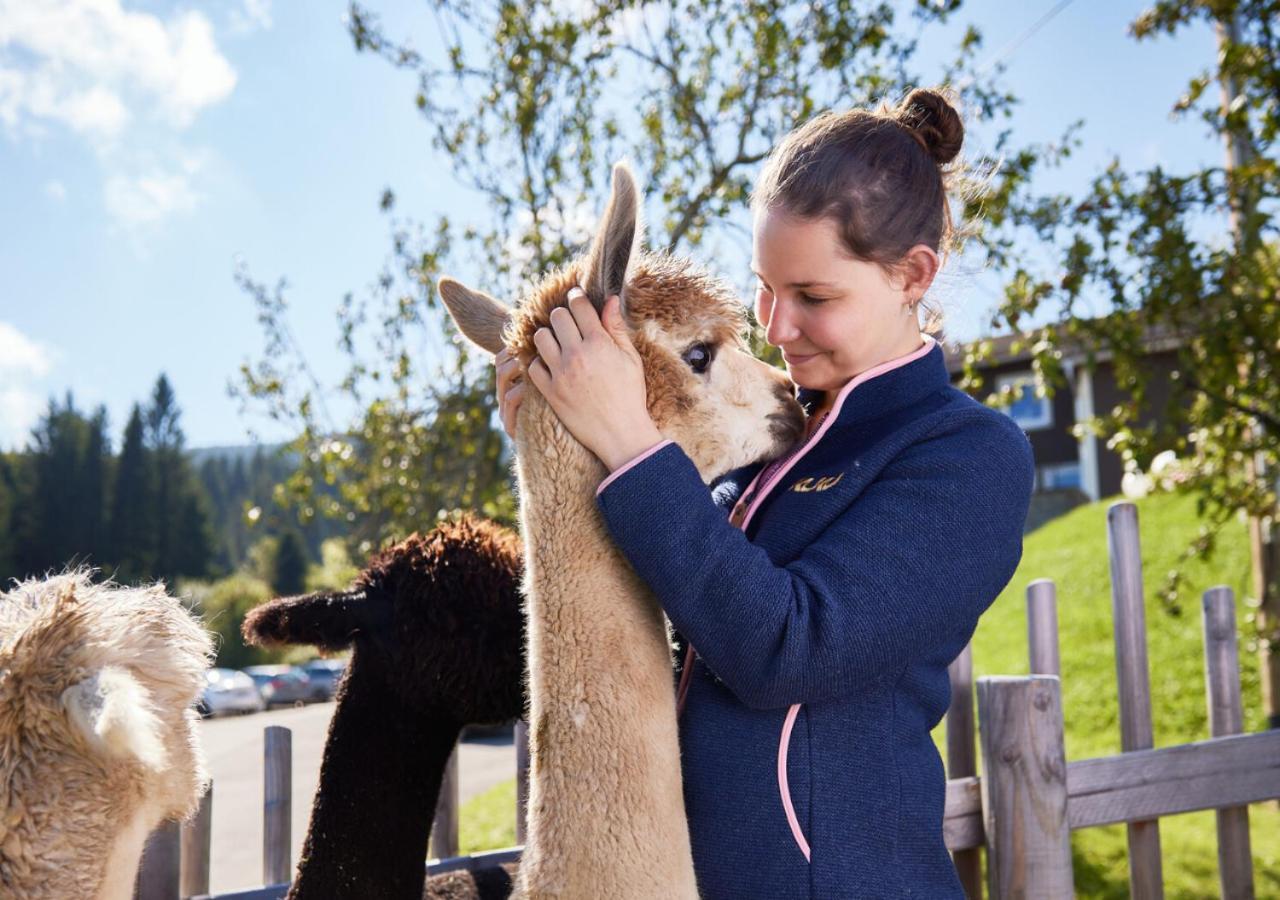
[(281, 685), (324, 675), (227, 691)]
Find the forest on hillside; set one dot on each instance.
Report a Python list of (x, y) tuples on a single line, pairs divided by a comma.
[(146, 508)]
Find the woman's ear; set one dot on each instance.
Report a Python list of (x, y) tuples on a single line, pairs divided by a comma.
[(919, 267)]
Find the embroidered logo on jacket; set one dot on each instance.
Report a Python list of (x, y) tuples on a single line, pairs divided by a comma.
[(805, 485)]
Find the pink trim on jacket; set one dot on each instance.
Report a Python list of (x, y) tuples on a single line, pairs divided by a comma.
[(784, 741), (832, 415), (783, 787), (633, 462), (775, 474)]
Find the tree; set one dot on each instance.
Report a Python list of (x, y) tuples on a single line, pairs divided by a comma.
[(164, 439), (177, 521), (530, 102), (59, 505), (7, 496), (1193, 256), (131, 505), (289, 571)]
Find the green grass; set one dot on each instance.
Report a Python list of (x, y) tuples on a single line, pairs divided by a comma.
[(1072, 550), (488, 821)]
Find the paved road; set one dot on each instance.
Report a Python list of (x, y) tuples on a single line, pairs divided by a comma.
[(234, 750)]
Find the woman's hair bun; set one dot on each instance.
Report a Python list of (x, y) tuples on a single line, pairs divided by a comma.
[(934, 122)]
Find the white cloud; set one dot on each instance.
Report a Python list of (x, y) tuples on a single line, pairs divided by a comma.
[(56, 190), (20, 410), (127, 82), (20, 356), (90, 64), (139, 200), (251, 15), (23, 362)]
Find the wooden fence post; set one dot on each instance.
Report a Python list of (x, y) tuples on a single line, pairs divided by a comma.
[(444, 830), (1042, 627), (522, 778), (196, 836), (1145, 877), (1226, 716), (157, 877), (277, 803), (962, 759), (1024, 787)]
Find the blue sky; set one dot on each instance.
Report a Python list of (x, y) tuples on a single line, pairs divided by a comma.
[(147, 147)]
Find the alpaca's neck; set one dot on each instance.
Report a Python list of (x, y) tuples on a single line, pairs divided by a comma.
[(126, 855), (602, 701), (379, 781)]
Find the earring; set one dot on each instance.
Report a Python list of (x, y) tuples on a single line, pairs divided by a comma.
[(909, 309)]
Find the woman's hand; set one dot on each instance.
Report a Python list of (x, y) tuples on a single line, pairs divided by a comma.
[(590, 373), (510, 389)]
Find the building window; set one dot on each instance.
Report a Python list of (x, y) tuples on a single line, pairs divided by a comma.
[(1028, 410), (1059, 477)]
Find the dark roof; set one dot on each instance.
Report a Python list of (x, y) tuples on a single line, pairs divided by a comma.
[(1014, 348)]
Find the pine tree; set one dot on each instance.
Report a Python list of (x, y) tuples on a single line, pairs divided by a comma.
[(164, 440), (7, 568), (194, 548), (53, 527), (289, 572), (131, 505), (178, 519), (92, 487)]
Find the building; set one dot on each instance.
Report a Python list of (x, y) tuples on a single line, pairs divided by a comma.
[(1065, 463)]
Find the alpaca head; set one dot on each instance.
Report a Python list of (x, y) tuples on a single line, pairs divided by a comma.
[(439, 614), (705, 390), (97, 730)]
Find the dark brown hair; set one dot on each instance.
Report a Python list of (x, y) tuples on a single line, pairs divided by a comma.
[(880, 175)]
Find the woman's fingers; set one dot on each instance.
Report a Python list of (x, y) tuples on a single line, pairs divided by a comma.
[(548, 347), (509, 373), (539, 374), (508, 406), (566, 328), (584, 314)]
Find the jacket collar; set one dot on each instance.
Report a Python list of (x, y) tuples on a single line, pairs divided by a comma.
[(883, 389)]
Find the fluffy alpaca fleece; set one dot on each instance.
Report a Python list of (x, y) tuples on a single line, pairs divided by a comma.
[(606, 809), (97, 731), (438, 637)]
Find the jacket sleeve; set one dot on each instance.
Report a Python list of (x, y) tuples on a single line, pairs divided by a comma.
[(907, 568)]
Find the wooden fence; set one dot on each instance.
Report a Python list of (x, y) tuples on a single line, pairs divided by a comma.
[(1021, 811)]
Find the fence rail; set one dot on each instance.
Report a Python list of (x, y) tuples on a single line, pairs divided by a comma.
[(1020, 812)]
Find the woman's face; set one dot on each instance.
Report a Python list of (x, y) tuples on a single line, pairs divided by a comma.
[(833, 316)]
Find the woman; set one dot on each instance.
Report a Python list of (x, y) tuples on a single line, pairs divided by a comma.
[(827, 606)]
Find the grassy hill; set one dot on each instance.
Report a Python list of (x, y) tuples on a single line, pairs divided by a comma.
[(1072, 550)]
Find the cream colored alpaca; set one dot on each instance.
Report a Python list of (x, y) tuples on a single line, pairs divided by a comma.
[(606, 810), (97, 733)]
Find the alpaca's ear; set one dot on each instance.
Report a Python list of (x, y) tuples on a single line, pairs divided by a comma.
[(616, 243), (114, 714), (328, 619), (479, 317)]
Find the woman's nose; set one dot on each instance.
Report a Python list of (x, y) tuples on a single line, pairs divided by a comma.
[(780, 329)]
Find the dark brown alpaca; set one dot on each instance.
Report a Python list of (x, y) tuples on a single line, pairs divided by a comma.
[(438, 638)]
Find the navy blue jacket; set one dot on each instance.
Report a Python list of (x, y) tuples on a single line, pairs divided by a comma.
[(824, 628)]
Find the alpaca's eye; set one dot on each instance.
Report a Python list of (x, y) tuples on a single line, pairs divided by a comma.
[(698, 357)]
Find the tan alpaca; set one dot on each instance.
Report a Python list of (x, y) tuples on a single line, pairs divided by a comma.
[(97, 733), (606, 810)]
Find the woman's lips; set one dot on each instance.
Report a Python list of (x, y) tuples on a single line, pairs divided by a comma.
[(794, 359)]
